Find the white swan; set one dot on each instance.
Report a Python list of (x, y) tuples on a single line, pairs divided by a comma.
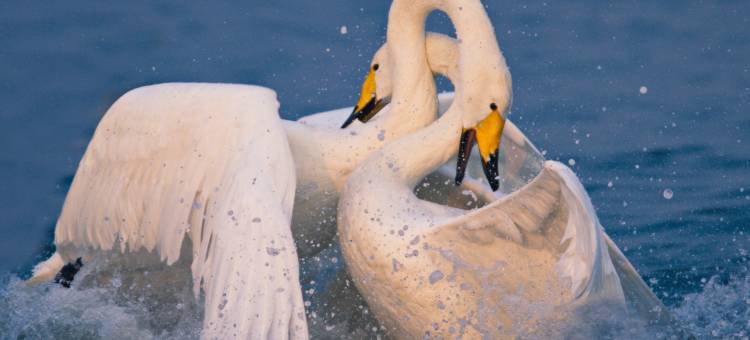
[(520, 160), (442, 57), (431, 270)]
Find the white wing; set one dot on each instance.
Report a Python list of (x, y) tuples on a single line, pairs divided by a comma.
[(638, 295), (210, 161), (552, 213)]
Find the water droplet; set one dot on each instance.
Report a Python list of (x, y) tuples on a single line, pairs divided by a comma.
[(344, 30), (667, 193), (381, 135), (272, 251), (571, 162), (415, 240), (643, 90), (436, 276)]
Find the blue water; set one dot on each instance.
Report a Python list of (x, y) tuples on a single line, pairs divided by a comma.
[(640, 97)]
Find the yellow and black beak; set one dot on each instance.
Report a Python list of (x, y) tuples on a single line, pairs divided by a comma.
[(487, 135), (369, 104)]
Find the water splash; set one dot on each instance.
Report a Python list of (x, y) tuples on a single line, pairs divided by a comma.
[(50, 311), (720, 310)]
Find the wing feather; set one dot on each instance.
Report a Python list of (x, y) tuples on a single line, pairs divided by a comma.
[(516, 212), (155, 150), (552, 213), (206, 160), (249, 269), (637, 294)]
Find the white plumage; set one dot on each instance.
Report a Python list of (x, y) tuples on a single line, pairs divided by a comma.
[(209, 161), (551, 213), (508, 268)]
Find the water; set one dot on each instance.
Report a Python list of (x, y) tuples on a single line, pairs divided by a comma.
[(644, 97)]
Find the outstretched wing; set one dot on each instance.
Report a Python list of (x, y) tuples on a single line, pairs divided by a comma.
[(552, 213), (155, 151), (210, 161)]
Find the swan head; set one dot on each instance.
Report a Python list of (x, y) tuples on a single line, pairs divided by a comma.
[(376, 89), (485, 106)]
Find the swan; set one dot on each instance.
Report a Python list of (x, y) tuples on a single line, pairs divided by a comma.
[(431, 270), (442, 57), (520, 159)]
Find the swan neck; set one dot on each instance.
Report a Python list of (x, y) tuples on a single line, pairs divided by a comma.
[(480, 59), (482, 67), (418, 154), (479, 54), (414, 102), (474, 29)]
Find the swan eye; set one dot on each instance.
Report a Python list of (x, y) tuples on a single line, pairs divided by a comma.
[(375, 67), (493, 107)]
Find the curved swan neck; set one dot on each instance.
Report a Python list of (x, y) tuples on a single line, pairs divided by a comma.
[(425, 150), (414, 103), (480, 61), (442, 55)]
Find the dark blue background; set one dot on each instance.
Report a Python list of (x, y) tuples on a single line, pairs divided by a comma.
[(577, 70)]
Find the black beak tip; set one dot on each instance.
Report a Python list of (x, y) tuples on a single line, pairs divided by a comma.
[(468, 139), (491, 171), (495, 184), (355, 114)]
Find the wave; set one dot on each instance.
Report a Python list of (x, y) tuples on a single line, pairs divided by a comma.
[(720, 310)]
